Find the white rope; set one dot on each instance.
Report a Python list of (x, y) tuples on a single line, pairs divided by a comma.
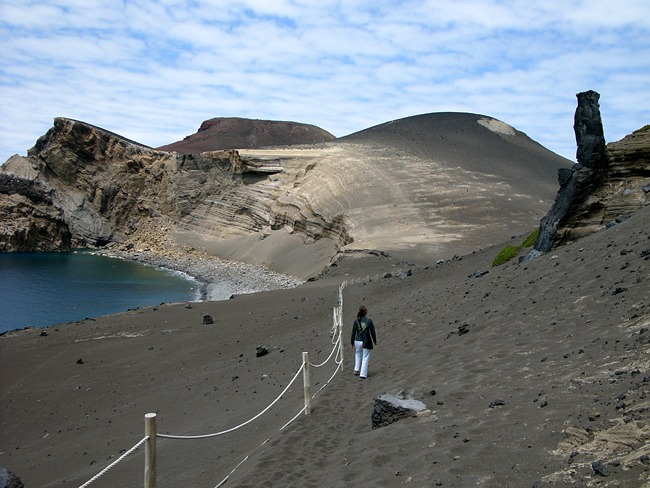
[(297, 415), (103, 471), (328, 381), (229, 474), (166, 436), (336, 346)]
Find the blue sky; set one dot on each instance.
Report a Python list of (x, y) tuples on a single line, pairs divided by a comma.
[(153, 70)]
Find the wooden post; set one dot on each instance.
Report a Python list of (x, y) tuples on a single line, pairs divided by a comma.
[(150, 451), (307, 382), (341, 341)]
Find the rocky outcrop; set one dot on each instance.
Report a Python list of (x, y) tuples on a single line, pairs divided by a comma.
[(224, 133), (608, 183)]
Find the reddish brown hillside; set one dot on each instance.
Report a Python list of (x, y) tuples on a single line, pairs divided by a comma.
[(237, 133)]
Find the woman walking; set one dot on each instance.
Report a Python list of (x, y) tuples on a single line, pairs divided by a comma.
[(362, 339)]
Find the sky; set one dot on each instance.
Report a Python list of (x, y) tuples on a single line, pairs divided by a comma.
[(153, 70)]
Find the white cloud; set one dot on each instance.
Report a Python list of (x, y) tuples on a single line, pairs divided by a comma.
[(154, 70)]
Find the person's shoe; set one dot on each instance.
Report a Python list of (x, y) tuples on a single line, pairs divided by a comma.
[(356, 373), (363, 377)]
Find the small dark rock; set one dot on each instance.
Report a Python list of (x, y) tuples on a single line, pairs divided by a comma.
[(478, 273), (497, 403), (600, 468), (619, 290), (388, 275), (261, 351), (207, 319), (645, 459), (432, 393), (43, 334), (80, 361), (189, 305)]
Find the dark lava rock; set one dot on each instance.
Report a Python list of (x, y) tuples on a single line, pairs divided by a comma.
[(389, 409), (80, 361), (581, 181), (9, 479), (478, 273), (497, 403), (262, 351), (207, 319), (600, 468)]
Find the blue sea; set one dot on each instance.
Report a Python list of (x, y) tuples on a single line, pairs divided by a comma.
[(43, 289)]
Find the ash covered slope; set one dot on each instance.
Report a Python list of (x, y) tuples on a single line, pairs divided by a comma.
[(563, 341), (474, 142), (238, 133)]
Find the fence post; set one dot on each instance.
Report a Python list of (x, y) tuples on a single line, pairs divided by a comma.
[(150, 451), (341, 348), (307, 382)]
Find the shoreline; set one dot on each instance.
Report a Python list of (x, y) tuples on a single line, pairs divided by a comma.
[(220, 280)]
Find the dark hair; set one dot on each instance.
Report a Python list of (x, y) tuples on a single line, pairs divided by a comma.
[(363, 311)]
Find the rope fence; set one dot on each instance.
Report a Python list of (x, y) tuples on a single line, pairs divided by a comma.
[(114, 463), (150, 419)]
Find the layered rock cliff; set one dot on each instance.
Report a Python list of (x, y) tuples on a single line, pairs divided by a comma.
[(82, 186)]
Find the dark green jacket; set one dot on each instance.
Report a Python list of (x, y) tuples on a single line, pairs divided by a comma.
[(366, 335)]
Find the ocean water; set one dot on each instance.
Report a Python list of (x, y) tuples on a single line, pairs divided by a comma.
[(43, 289)]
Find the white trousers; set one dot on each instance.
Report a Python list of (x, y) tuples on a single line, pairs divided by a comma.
[(361, 358)]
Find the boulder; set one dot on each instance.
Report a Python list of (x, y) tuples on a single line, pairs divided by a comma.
[(389, 409), (8, 479)]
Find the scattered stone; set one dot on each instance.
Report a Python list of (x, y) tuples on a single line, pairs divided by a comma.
[(600, 468), (43, 334), (619, 290), (593, 416), (388, 275), (207, 319), (497, 403), (189, 306), (478, 273), (389, 409), (165, 332), (262, 351), (645, 459), (80, 361)]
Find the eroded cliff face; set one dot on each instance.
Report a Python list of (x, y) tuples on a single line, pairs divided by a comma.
[(82, 186)]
